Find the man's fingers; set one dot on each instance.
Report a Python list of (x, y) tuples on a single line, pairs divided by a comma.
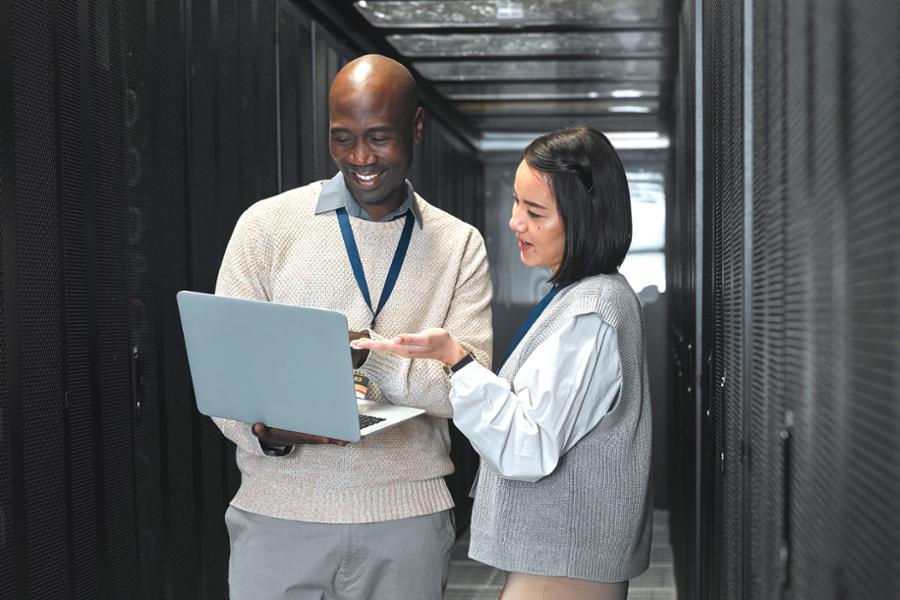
[(283, 437)]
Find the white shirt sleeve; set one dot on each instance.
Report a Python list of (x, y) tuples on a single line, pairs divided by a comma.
[(563, 389)]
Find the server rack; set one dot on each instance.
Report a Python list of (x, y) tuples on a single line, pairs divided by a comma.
[(796, 219), (133, 135)]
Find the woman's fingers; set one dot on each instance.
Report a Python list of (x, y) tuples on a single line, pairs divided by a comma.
[(364, 344), (431, 343), (406, 346), (413, 340)]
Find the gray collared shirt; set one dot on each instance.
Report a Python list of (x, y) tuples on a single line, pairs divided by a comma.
[(335, 195)]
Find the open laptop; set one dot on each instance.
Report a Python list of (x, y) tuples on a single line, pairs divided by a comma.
[(286, 366)]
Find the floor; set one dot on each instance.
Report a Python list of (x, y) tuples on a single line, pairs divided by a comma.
[(470, 580)]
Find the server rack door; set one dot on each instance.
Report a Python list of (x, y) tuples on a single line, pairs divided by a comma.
[(297, 119)]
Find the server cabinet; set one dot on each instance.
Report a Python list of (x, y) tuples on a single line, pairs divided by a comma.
[(116, 194), (798, 272), (132, 137)]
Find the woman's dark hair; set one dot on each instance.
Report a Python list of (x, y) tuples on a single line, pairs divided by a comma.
[(591, 191)]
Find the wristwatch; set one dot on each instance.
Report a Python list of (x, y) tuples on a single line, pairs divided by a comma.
[(469, 357), (275, 450)]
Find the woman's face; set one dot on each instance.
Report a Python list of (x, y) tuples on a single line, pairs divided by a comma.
[(536, 220)]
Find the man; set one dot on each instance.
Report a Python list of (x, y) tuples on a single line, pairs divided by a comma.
[(314, 519)]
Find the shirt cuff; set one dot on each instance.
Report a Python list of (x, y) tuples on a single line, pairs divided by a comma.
[(466, 382)]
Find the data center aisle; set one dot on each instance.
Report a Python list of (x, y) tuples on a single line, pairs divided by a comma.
[(470, 580)]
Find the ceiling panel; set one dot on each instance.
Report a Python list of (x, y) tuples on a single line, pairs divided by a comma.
[(499, 13), (548, 122), (516, 67), (580, 90), (603, 43), (528, 70), (558, 107)]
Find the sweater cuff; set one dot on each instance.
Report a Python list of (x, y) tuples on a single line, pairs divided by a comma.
[(380, 366)]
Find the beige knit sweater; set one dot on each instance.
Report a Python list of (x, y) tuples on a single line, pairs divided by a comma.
[(282, 252)]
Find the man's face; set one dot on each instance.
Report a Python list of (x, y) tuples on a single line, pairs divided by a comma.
[(371, 141)]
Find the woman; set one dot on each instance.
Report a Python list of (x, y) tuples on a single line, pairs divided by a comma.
[(562, 499)]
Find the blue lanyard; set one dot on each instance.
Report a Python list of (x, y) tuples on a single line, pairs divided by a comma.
[(532, 317), (356, 262)]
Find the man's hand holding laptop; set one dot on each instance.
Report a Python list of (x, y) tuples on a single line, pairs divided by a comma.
[(281, 437)]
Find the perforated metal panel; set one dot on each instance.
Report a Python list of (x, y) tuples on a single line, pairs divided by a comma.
[(723, 293), (328, 57), (7, 548), (825, 229), (142, 199), (169, 270), (105, 214), (870, 64), (681, 288), (815, 271), (800, 452), (83, 462), (37, 296), (296, 101), (258, 99), (769, 310)]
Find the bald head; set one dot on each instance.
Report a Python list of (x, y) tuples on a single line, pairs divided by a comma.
[(375, 78), (375, 120)]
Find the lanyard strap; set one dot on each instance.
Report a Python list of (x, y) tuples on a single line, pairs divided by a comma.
[(356, 262), (532, 317)]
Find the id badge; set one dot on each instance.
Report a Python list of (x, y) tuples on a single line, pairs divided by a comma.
[(361, 383)]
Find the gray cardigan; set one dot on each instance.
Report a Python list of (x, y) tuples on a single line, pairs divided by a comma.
[(592, 517)]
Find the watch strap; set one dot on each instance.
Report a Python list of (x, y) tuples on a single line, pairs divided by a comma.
[(469, 357)]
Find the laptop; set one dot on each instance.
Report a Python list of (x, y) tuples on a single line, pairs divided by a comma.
[(286, 366)]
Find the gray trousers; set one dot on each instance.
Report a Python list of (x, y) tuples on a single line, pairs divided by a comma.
[(276, 559)]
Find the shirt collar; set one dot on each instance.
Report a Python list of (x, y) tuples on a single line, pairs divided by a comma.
[(335, 195)]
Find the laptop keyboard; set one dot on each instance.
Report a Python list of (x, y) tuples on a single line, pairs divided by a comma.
[(368, 420)]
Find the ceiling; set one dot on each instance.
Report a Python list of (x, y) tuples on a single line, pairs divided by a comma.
[(528, 66)]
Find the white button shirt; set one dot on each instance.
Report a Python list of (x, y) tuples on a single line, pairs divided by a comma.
[(562, 391)]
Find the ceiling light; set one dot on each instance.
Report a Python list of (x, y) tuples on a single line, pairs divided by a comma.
[(629, 109), (634, 135), (625, 140), (638, 140), (627, 94), (510, 10)]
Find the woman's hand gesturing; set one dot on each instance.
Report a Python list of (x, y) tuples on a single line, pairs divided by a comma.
[(433, 343)]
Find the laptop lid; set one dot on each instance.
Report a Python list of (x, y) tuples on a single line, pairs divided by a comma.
[(286, 366)]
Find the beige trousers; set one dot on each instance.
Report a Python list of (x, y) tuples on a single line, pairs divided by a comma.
[(539, 587)]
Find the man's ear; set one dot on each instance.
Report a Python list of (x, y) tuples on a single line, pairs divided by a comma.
[(418, 124)]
